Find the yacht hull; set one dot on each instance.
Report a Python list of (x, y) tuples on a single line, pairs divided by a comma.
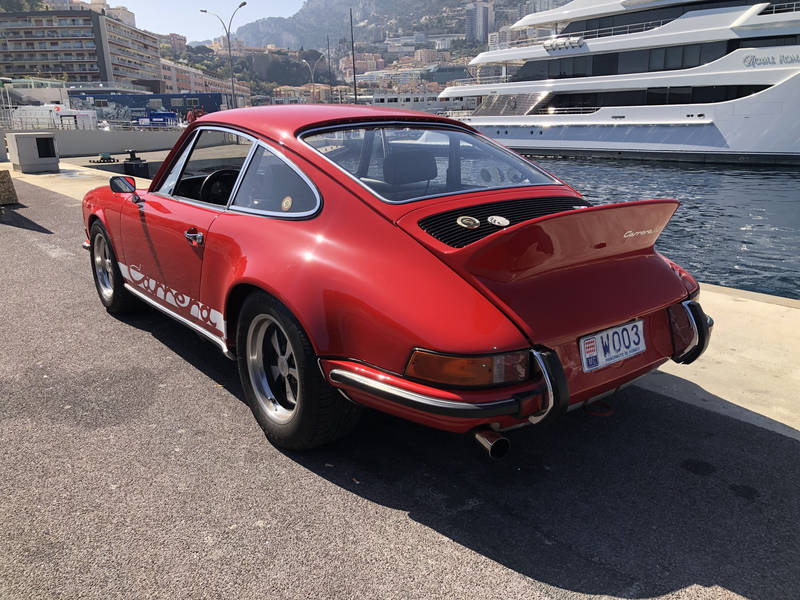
[(761, 128)]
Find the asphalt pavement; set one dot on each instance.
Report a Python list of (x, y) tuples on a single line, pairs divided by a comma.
[(130, 468)]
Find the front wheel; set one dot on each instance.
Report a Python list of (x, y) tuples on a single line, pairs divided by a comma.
[(290, 399), (107, 277)]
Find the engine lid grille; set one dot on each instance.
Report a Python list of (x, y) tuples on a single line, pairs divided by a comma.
[(446, 228)]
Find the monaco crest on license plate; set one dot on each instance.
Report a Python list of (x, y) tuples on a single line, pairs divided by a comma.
[(612, 345)]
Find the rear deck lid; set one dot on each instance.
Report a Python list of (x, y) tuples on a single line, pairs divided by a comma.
[(563, 274)]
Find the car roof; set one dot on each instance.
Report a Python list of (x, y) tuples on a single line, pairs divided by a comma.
[(279, 122)]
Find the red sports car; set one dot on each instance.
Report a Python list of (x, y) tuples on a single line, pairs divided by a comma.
[(348, 256)]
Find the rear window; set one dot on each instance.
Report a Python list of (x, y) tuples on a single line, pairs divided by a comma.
[(405, 163)]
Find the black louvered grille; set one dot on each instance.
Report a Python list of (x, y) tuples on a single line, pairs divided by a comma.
[(445, 228)]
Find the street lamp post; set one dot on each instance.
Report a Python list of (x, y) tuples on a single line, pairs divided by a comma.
[(230, 53), (311, 70)]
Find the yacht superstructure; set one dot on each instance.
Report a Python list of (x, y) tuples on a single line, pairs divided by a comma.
[(701, 80)]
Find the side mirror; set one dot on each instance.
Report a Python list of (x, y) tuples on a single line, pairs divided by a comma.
[(124, 185)]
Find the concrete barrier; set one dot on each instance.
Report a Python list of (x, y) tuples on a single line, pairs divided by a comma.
[(86, 142)]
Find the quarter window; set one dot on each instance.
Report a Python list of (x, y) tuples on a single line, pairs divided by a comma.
[(270, 185)]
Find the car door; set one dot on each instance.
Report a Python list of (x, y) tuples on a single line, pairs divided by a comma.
[(164, 234)]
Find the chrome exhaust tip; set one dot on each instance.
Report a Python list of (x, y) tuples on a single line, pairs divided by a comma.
[(495, 444)]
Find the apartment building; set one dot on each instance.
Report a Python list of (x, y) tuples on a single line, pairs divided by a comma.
[(223, 86), (179, 78), (76, 45), (133, 52)]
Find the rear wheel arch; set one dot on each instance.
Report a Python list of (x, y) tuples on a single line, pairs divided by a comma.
[(235, 300), (282, 382), (233, 307)]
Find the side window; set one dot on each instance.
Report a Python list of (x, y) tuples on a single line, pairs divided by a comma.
[(168, 185), (213, 167), (270, 185)]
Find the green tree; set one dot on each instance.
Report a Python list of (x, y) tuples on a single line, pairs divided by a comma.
[(20, 5)]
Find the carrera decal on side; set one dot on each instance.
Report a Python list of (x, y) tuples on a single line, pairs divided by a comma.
[(198, 310)]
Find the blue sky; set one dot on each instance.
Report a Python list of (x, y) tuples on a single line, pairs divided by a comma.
[(184, 16)]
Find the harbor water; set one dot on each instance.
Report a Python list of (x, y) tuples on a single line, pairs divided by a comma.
[(737, 227)]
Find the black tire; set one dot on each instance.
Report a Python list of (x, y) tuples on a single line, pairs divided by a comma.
[(282, 382), (108, 280)]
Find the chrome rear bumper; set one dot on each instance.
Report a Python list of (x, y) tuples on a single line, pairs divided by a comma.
[(553, 390), (702, 326)]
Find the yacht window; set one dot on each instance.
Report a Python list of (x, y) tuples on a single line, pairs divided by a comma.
[(641, 61), (674, 58), (636, 61), (657, 59), (712, 51), (605, 64), (680, 95), (652, 96), (580, 66), (657, 95), (691, 55), (630, 98), (783, 40)]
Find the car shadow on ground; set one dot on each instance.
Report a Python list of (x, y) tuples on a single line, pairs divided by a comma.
[(657, 497), (191, 347), (9, 216)]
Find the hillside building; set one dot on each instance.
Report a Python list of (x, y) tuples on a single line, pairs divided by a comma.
[(175, 41), (479, 20), (365, 61)]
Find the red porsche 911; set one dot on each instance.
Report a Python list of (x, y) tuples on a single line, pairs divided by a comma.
[(348, 256)]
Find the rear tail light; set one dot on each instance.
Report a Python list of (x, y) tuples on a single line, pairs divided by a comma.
[(470, 371)]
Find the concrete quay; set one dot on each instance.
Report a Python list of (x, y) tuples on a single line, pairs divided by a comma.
[(131, 469)]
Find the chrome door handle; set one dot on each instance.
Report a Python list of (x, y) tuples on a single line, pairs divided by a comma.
[(194, 236)]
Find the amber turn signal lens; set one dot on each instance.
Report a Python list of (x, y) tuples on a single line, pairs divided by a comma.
[(469, 371)]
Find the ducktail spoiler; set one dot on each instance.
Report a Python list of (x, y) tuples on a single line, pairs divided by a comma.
[(567, 240), (591, 266)]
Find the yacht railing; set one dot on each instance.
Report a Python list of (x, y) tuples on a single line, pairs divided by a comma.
[(481, 80), (776, 9), (587, 34), (563, 40), (457, 114)]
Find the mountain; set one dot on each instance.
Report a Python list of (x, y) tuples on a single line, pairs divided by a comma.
[(373, 20)]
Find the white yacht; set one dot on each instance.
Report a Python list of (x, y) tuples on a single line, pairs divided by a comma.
[(712, 81)]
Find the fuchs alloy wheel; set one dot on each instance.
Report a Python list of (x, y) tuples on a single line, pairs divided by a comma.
[(272, 367), (282, 383), (107, 277)]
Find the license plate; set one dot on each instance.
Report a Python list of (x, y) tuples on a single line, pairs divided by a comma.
[(611, 345)]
